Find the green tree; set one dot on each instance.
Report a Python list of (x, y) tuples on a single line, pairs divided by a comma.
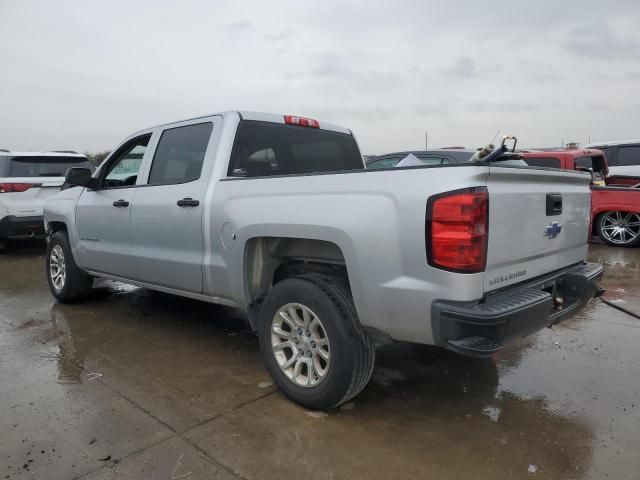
[(97, 158)]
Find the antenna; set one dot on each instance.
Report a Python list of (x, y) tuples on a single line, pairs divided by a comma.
[(493, 140)]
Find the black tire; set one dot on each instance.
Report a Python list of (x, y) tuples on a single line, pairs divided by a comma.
[(76, 284), (600, 220), (352, 352)]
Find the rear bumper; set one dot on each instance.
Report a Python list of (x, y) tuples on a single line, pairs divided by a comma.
[(21, 227), (480, 328)]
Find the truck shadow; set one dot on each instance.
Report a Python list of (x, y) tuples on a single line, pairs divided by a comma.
[(24, 248)]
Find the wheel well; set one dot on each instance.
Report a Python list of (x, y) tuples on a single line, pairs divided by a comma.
[(269, 260), (54, 227)]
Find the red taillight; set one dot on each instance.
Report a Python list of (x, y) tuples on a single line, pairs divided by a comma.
[(301, 121), (15, 187), (456, 230)]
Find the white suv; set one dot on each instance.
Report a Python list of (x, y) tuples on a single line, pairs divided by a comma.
[(27, 180), (623, 156)]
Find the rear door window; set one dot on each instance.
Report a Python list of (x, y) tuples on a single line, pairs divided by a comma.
[(629, 155), (545, 162), (265, 148), (44, 166), (180, 154)]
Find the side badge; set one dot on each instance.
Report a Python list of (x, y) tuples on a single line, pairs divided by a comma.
[(552, 230)]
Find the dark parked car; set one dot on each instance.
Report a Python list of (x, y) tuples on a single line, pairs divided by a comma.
[(429, 157)]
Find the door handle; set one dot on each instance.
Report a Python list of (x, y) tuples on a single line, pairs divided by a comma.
[(120, 203), (188, 202)]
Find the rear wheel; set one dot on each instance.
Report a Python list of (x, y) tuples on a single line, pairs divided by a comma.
[(66, 281), (312, 343), (621, 229)]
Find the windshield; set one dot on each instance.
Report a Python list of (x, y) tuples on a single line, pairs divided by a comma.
[(43, 166)]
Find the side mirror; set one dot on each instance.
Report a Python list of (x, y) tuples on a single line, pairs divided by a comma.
[(80, 177)]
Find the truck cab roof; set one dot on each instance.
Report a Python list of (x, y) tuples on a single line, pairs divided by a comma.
[(261, 117), (612, 143)]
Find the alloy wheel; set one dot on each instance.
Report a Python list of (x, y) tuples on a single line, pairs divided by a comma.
[(620, 228), (57, 267), (300, 345)]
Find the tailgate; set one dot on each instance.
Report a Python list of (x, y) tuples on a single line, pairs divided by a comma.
[(30, 202), (538, 223)]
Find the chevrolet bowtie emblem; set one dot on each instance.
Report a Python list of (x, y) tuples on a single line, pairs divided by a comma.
[(552, 230)]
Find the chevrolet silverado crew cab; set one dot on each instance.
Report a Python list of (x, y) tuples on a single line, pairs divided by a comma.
[(276, 215), (27, 180)]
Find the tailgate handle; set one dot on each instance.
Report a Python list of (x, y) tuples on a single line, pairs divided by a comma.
[(554, 204)]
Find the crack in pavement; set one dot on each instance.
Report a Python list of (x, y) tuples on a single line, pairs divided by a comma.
[(174, 433)]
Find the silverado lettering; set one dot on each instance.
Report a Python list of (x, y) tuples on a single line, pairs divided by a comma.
[(506, 278)]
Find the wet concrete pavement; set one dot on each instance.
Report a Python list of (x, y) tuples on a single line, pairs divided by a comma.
[(137, 384)]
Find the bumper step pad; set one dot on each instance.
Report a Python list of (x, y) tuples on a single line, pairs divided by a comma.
[(478, 345)]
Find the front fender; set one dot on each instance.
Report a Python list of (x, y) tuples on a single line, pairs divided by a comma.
[(61, 208)]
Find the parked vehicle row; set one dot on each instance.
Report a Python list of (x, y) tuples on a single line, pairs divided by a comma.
[(615, 200), (445, 156), (615, 213), (275, 214), (27, 181), (584, 160)]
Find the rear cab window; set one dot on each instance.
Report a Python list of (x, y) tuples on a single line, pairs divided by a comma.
[(266, 149), (386, 162), (544, 162), (432, 160), (44, 166), (594, 163)]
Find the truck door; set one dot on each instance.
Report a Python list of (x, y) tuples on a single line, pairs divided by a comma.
[(166, 217), (103, 215)]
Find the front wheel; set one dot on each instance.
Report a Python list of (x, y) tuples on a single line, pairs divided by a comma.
[(66, 281), (312, 342), (620, 229)]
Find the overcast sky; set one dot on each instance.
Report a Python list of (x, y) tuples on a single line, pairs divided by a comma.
[(84, 74)]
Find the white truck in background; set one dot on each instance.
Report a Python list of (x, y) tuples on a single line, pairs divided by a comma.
[(275, 214)]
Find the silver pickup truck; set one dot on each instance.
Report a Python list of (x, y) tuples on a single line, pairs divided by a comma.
[(276, 215)]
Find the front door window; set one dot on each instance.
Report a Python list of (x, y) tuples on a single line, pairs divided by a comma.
[(123, 169)]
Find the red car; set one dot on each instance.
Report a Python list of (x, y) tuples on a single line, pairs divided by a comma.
[(615, 200)]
